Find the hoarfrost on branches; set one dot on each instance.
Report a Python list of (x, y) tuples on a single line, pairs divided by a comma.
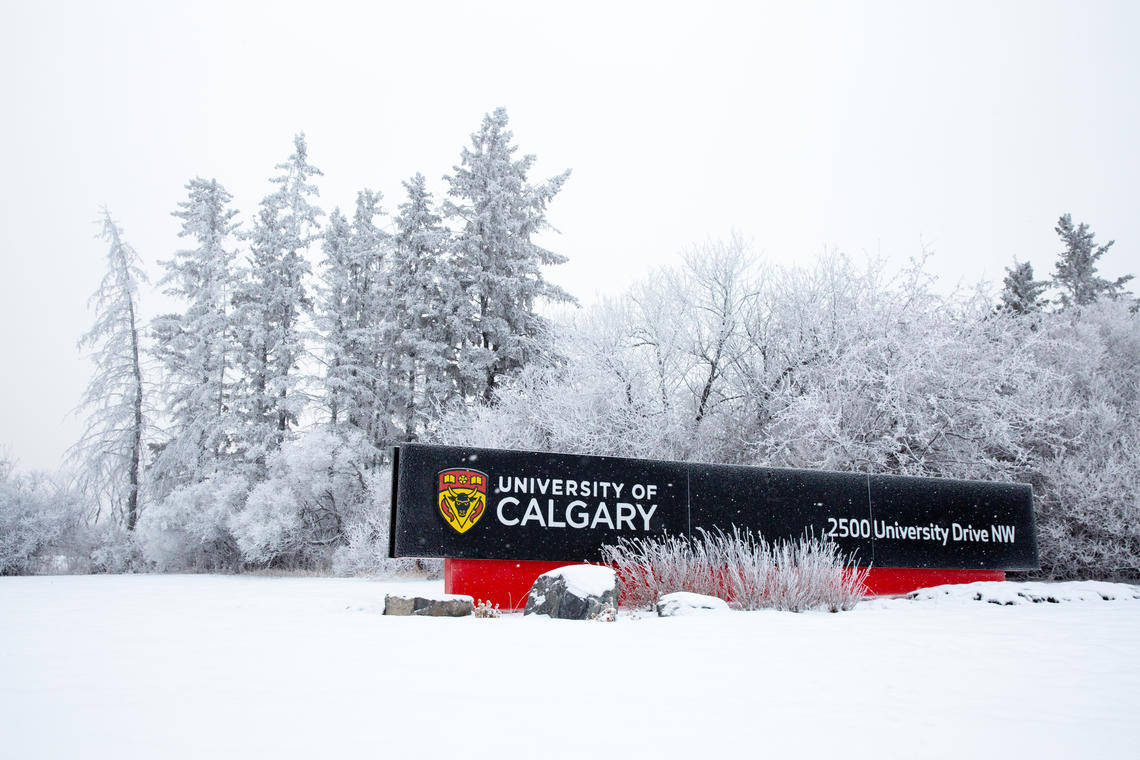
[(111, 449)]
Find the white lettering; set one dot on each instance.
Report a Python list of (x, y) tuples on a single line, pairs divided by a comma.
[(499, 510), (645, 516), (602, 510), (585, 516), (970, 533), (625, 514), (1003, 533), (533, 512), (550, 521)]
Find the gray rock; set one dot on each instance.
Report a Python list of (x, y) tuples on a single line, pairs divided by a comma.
[(447, 605), (686, 603), (576, 592), (399, 605)]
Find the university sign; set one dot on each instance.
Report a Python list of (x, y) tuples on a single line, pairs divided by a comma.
[(486, 504)]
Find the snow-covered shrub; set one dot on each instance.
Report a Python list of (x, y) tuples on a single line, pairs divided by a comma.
[(29, 523), (46, 527), (1089, 516), (113, 550), (365, 550), (807, 573), (322, 508), (299, 515), (270, 524), (189, 529)]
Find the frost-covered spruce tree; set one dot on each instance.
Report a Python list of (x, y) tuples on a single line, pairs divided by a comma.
[(1021, 294), (332, 317), (351, 315), (496, 212), (197, 348), (273, 300), (1076, 273), (423, 313), (372, 247), (111, 449)]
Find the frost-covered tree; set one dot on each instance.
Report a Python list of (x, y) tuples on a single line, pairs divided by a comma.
[(334, 319), (273, 301), (351, 315), (496, 212), (1075, 273), (719, 298), (424, 309), (1021, 294), (110, 451), (197, 347)]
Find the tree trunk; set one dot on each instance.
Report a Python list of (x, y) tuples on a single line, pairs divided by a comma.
[(136, 441)]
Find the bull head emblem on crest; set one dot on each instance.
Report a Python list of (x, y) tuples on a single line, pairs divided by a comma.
[(462, 497)]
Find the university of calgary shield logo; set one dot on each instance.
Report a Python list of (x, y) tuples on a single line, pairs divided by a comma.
[(462, 497)]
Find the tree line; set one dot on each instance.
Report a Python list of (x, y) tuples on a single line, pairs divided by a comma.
[(251, 427), (848, 366)]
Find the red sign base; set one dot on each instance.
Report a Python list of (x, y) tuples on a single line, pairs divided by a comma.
[(506, 583)]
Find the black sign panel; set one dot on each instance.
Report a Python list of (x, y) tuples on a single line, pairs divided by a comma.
[(780, 503), (537, 506), (492, 504), (925, 522)]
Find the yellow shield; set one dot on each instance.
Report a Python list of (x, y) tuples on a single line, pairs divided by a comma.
[(462, 497)]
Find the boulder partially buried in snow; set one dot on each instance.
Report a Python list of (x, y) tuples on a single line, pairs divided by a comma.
[(575, 592), (686, 603), (444, 605)]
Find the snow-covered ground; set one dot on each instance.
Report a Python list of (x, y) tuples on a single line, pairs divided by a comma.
[(208, 666)]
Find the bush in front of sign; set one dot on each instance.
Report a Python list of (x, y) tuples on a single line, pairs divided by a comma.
[(742, 567)]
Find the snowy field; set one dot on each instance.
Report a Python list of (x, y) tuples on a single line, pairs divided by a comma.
[(208, 666)]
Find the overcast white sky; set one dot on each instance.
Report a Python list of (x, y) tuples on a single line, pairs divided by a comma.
[(868, 127)]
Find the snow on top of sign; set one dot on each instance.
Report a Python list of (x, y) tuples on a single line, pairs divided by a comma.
[(585, 580)]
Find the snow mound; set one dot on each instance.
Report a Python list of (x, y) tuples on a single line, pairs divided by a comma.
[(687, 603), (1010, 593)]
